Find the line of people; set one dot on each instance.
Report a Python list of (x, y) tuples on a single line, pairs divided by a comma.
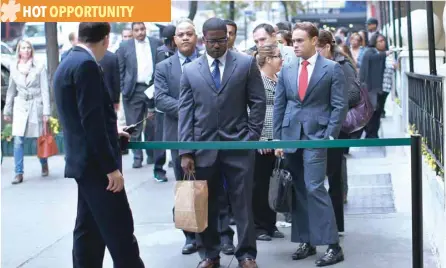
[(277, 92)]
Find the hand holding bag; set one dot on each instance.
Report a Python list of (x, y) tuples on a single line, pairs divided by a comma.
[(46, 144), (191, 204), (280, 189)]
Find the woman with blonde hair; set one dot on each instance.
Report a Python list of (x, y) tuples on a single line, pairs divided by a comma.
[(270, 61), (27, 104)]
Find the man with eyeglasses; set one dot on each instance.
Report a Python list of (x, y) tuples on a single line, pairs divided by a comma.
[(215, 91)]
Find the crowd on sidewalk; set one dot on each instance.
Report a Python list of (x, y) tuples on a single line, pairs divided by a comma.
[(297, 83)]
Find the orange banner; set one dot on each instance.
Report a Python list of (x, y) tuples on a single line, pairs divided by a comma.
[(82, 10)]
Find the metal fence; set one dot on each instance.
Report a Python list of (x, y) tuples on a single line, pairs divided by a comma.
[(426, 113)]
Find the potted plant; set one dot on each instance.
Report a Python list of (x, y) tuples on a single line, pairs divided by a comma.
[(7, 140), (56, 130)]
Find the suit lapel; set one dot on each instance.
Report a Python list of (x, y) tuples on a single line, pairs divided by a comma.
[(229, 69), (318, 72), (175, 69), (133, 55), (205, 72), (153, 47), (294, 69)]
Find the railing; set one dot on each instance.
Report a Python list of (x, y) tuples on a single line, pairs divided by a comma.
[(416, 167), (426, 113)]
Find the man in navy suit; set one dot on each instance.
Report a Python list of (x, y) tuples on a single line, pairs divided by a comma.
[(93, 155), (110, 66)]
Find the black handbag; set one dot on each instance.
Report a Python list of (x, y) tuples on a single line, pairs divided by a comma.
[(280, 194)]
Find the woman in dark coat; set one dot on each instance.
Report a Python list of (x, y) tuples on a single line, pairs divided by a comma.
[(336, 162), (371, 76)]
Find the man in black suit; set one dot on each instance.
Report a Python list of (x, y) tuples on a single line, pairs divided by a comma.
[(72, 37), (137, 60), (110, 66), (216, 90), (93, 155)]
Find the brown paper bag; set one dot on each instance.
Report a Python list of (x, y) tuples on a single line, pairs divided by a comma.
[(191, 205)]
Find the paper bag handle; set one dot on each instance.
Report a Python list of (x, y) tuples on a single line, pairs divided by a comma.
[(187, 177)]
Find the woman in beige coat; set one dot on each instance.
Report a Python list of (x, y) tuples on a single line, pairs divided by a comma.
[(27, 104)]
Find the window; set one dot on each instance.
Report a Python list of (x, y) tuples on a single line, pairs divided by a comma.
[(35, 30), (6, 50)]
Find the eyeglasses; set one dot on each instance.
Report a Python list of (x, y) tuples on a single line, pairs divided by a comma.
[(277, 56), (215, 41)]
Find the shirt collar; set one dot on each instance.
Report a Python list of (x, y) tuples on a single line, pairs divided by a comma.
[(191, 57), (145, 40), (312, 59), (88, 50), (222, 59)]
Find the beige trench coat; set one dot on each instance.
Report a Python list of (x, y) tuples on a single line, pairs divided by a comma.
[(28, 100)]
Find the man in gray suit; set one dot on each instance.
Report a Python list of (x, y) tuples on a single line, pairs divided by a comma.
[(216, 90), (137, 59), (310, 104)]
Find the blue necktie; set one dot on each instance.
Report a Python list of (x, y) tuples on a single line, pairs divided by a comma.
[(186, 61), (216, 73)]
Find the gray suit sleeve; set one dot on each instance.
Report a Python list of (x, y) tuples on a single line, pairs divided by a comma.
[(280, 103), (121, 60), (256, 102), (338, 101), (186, 107), (163, 101)]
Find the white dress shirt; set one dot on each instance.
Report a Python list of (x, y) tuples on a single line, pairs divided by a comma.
[(310, 66), (88, 50), (144, 61), (222, 64)]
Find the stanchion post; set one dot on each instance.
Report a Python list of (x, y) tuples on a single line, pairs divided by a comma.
[(417, 201)]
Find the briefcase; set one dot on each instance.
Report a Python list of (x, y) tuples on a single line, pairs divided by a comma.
[(280, 194)]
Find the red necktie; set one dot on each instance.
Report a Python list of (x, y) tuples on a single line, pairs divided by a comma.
[(303, 80)]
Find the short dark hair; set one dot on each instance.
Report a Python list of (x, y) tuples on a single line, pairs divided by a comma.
[(268, 28), (231, 23), (214, 24), (137, 23), (284, 25), (343, 30), (93, 32), (308, 27)]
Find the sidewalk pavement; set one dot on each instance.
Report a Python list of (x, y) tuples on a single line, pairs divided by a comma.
[(38, 217)]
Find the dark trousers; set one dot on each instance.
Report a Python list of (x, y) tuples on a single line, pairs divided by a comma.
[(336, 168), (374, 124), (225, 230), (224, 218), (264, 216), (236, 167), (135, 109), (179, 175), (103, 219), (160, 155)]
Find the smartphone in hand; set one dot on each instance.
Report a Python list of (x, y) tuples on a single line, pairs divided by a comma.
[(124, 142)]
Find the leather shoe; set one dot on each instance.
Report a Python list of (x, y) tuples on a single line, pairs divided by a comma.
[(228, 249), (248, 263), (331, 256), (264, 237), (209, 263), (278, 234), (303, 251), (189, 249), (137, 164)]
